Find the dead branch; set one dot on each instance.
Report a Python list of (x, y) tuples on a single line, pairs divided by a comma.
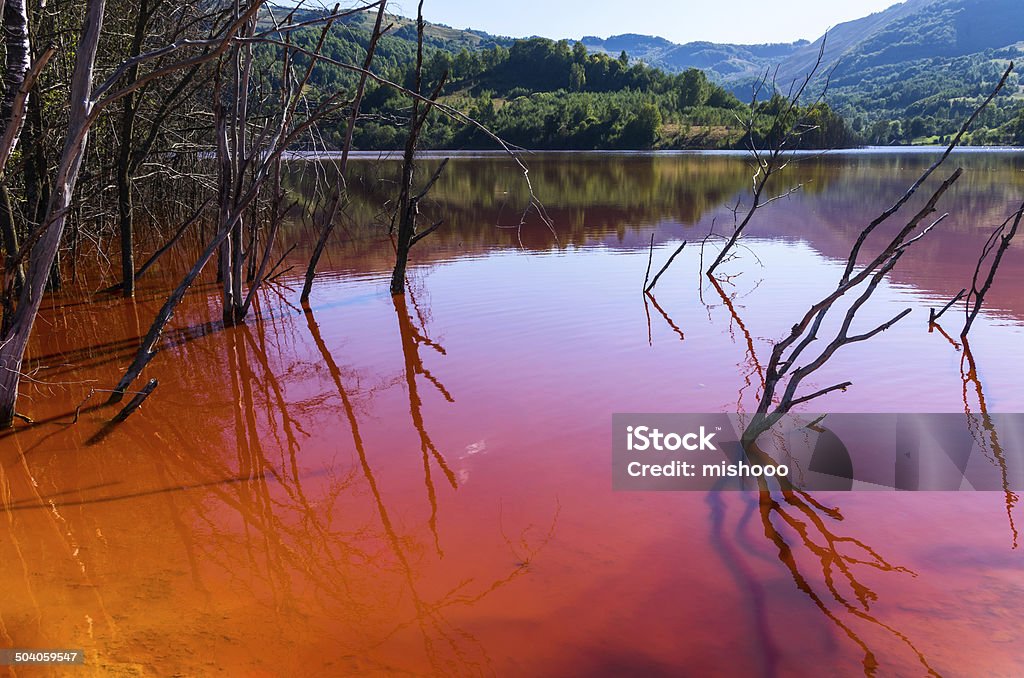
[(408, 204), (650, 259), (454, 113), (851, 262), (999, 240), (782, 367), (327, 226), (16, 118), (135, 402), (767, 165), (933, 316), (188, 223), (664, 268)]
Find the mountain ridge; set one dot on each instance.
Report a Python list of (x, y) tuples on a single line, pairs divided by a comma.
[(927, 59)]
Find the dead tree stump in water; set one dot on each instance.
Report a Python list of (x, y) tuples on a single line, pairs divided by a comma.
[(135, 402)]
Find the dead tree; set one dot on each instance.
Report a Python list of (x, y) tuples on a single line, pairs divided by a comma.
[(430, 102), (238, 150), (788, 125), (998, 241), (87, 102), (933, 317), (180, 231), (244, 168), (16, 75), (143, 115), (43, 253), (790, 364), (19, 77), (649, 287), (144, 118), (337, 194), (126, 131), (409, 203)]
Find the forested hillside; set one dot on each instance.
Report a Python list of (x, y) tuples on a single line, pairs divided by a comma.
[(907, 74), (543, 94), (912, 72)]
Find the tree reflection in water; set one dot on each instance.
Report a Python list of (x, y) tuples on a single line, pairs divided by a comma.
[(827, 567), (448, 648), (980, 425), (412, 338)]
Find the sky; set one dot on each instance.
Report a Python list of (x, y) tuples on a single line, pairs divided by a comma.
[(736, 21)]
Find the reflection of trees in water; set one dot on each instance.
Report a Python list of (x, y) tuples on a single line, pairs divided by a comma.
[(841, 560), (984, 431), (752, 370), (598, 191), (826, 566), (980, 423), (614, 199), (412, 339), (586, 196), (243, 506), (653, 301), (439, 636)]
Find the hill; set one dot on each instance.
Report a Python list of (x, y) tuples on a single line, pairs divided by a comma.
[(925, 64), (535, 93), (910, 73), (722, 62)]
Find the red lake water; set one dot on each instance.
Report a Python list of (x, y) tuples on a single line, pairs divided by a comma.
[(422, 486)]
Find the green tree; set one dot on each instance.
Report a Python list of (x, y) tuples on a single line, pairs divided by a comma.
[(577, 77), (693, 88), (642, 130), (918, 127), (1017, 129), (579, 53)]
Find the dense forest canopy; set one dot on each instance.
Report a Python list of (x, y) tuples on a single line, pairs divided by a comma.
[(902, 84), (545, 94)]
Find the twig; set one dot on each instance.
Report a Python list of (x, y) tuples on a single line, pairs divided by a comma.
[(977, 295), (933, 316), (135, 402), (663, 268), (650, 258)]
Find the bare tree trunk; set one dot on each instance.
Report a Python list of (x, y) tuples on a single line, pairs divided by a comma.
[(14, 273), (148, 348), (44, 252), (124, 160), (999, 240), (37, 164), (353, 117), (12, 117), (196, 216), (408, 204), (124, 201), (19, 60), (407, 213)]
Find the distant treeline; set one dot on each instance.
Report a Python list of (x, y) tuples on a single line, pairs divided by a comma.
[(543, 94)]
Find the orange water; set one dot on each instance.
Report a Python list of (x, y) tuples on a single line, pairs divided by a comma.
[(423, 486)]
